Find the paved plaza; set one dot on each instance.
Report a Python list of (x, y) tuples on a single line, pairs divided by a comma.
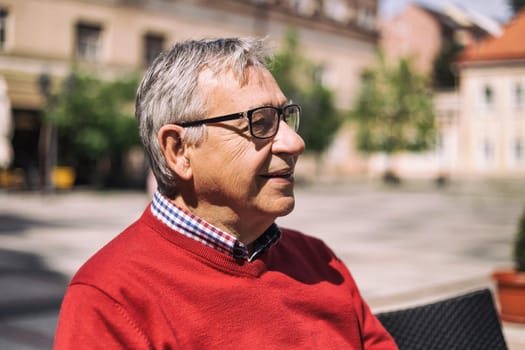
[(405, 245)]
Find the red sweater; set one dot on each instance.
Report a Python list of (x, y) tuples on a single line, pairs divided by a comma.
[(153, 288)]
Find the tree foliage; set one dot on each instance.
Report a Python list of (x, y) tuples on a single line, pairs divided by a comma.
[(94, 122), (298, 77), (516, 5), (443, 74), (394, 109)]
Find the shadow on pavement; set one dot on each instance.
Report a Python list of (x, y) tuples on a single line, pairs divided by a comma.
[(27, 286), (29, 292), (14, 224)]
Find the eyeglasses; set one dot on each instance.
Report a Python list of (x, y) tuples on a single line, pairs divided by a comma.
[(263, 122)]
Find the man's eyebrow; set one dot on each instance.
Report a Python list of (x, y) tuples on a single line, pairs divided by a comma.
[(269, 104), (284, 104)]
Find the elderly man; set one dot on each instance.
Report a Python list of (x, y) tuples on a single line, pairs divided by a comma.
[(205, 266)]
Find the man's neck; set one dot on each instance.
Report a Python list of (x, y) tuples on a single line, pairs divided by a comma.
[(246, 230)]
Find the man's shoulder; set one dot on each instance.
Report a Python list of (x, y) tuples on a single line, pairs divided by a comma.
[(112, 260), (294, 240), (289, 234), (307, 258)]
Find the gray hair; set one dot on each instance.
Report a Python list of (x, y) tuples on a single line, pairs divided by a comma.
[(169, 92)]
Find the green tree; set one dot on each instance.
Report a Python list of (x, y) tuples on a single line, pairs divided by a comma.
[(516, 5), (299, 79), (95, 126), (394, 110), (443, 74)]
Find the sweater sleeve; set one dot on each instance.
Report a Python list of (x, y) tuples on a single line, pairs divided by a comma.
[(374, 335), (90, 319)]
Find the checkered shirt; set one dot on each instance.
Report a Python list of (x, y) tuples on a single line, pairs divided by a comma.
[(196, 228)]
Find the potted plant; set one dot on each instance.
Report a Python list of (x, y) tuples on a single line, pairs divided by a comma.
[(510, 283)]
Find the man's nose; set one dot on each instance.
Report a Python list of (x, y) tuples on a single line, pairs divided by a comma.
[(287, 141)]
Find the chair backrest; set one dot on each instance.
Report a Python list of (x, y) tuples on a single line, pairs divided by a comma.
[(464, 322)]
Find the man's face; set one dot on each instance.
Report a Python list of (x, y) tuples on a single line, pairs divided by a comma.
[(238, 178)]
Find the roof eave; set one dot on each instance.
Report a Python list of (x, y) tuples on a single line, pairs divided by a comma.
[(490, 62)]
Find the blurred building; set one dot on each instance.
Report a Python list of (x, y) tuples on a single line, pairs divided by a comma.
[(469, 142), (492, 115), (40, 40), (422, 32)]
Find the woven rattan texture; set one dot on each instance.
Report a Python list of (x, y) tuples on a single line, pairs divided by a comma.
[(465, 322)]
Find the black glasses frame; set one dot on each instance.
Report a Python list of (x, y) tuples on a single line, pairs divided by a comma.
[(248, 114)]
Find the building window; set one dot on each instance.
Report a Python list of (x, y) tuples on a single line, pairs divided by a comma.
[(153, 45), (88, 41), (366, 18), (488, 97), (307, 8), (337, 10), (519, 152), (519, 96), (487, 152), (3, 27)]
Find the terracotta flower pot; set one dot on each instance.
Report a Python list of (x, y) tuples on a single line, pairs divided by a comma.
[(511, 295)]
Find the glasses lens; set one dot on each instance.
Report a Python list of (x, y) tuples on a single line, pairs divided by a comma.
[(264, 122), (292, 115)]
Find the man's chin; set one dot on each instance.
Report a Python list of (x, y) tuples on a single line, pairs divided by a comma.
[(284, 206)]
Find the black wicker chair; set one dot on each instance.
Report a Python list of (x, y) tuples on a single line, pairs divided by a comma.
[(464, 322)]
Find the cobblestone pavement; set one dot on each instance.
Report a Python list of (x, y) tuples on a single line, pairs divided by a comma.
[(405, 245)]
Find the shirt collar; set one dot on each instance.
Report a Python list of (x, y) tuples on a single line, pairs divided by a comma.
[(196, 228)]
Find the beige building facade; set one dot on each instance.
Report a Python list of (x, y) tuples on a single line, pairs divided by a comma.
[(41, 40), (492, 91), (481, 122), (493, 119), (421, 32)]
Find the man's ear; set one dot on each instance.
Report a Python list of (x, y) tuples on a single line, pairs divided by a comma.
[(174, 150)]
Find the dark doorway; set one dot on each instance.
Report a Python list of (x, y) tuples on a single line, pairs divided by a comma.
[(25, 145)]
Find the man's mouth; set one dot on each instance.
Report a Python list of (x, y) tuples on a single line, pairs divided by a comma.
[(283, 174)]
